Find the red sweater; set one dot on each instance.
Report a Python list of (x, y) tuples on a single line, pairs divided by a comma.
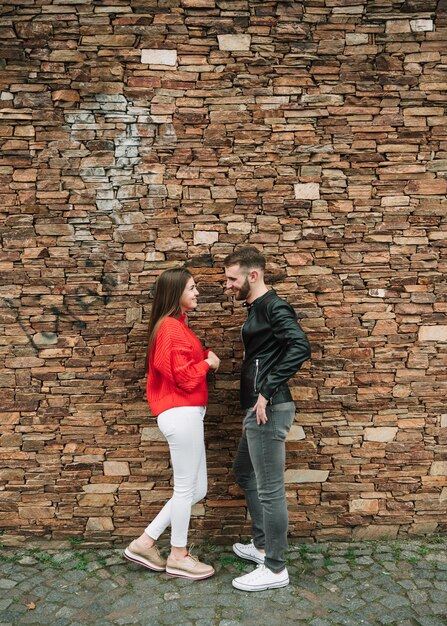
[(177, 369)]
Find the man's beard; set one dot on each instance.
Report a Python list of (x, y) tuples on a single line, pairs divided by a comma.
[(244, 291)]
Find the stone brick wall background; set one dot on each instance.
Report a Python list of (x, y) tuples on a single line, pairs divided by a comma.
[(137, 135)]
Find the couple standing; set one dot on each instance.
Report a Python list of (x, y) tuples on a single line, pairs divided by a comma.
[(275, 348)]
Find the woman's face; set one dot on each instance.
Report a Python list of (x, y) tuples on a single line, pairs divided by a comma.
[(188, 299)]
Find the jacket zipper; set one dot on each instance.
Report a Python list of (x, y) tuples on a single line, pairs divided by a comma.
[(256, 373)]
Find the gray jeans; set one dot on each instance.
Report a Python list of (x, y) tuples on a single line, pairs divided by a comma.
[(259, 469)]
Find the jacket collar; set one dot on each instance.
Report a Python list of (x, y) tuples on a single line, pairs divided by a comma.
[(265, 296)]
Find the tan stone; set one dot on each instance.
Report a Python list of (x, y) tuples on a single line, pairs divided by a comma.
[(29, 175), (397, 147), (438, 468), (375, 532), (99, 524), (67, 95), (100, 488), (401, 391), (133, 486), (416, 423), (423, 528), (433, 333), (36, 512), (430, 187), (24, 362), (364, 506), (96, 499), (296, 433), (242, 228), (134, 314), (159, 57), (306, 476), (25, 131), (385, 327), (382, 434), (198, 510), (223, 192), (307, 191), (166, 244), (110, 41), (392, 201), (58, 230), (116, 468), (355, 39), (423, 57), (299, 258), (205, 237), (397, 26), (66, 56), (152, 433), (55, 353), (234, 42)]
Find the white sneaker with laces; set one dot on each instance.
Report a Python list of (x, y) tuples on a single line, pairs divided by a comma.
[(249, 552), (261, 579)]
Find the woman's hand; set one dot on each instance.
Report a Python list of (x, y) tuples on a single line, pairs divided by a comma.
[(213, 360)]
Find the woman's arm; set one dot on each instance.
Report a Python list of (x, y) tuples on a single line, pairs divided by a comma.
[(174, 357)]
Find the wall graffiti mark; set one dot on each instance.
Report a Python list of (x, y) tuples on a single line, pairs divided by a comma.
[(12, 306), (74, 305), (117, 159)]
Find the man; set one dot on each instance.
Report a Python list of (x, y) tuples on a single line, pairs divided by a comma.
[(275, 348)]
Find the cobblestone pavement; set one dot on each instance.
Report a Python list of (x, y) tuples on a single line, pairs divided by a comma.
[(389, 582)]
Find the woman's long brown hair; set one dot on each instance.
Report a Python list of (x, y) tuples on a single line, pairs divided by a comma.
[(168, 290)]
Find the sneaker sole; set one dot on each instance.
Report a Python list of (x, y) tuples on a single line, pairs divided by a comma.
[(247, 557), (182, 574), (243, 587), (135, 558)]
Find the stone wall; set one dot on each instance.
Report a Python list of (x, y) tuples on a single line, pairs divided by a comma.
[(138, 135)]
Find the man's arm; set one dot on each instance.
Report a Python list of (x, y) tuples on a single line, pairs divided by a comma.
[(295, 351)]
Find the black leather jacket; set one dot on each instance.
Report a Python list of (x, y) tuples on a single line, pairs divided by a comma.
[(275, 348)]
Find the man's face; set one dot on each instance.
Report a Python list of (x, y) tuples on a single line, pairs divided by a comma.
[(237, 282)]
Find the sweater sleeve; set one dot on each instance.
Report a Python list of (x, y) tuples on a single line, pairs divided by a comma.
[(174, 358)]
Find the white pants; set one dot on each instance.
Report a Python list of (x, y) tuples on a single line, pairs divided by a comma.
[(183, 429)]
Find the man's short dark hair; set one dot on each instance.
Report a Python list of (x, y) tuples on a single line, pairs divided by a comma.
[(247, 258)]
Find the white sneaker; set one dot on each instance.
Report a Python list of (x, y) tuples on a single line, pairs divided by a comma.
[(249, 551), (261, 579)]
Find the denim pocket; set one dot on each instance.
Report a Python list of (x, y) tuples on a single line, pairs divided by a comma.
[(249, 413), (281, 417)]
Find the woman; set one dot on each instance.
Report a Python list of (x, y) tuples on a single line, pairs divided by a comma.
[(177, 393)]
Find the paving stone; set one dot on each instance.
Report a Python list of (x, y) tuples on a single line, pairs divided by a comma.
[(4, 603), (371, 593), (393, 601), (365, 560), (431, 621), (407, 584), (7, 583)]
